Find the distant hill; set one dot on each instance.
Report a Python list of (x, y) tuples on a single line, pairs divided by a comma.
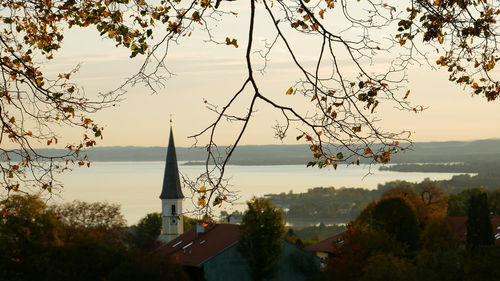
[(425, 152)]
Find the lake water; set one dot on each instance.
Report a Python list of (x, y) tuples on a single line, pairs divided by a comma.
[(136, 186)]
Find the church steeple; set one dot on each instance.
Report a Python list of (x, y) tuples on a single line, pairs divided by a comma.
[(171, 181), (171, 195)]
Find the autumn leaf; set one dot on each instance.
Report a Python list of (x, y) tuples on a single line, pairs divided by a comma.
[(289, 91), (407, 94), (321, 13), (202, 202), (231, 42)]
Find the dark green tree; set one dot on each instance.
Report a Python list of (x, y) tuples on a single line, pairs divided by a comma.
[(260, 243), (397, 217), (148, 229), (458, 204), (479, 229)]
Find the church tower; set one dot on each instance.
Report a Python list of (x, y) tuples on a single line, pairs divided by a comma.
[(171, 196)]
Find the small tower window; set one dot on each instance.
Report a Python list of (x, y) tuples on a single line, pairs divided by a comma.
[(173, 210)]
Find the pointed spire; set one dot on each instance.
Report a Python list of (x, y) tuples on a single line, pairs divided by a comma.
[(171, 181)]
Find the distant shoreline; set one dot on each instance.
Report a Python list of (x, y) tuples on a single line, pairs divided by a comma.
[(435, 153)]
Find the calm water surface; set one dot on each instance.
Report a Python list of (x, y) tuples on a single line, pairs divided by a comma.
[(137, 185)]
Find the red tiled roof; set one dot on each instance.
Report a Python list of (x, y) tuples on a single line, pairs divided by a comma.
[(458, 226), (326, 245), (193, 250)]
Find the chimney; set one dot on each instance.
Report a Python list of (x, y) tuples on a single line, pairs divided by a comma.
[(199, 228), (231, 219)]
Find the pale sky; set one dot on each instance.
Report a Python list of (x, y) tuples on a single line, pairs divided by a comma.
[(214, 72)]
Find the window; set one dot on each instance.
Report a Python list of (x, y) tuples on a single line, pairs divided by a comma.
[(173, 210)]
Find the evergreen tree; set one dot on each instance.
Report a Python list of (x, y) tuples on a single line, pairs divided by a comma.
[(260, 244), (479, 229)]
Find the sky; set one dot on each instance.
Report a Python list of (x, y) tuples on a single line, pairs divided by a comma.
[(207, 71)]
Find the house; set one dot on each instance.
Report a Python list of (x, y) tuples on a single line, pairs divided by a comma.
[(324, 249), (210, 253)]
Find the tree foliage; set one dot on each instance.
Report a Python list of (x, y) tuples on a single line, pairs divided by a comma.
[(388, 267), (148, 229), (260, 243), (35, 244), (459, 203), (359, 244), (90, 215), (479, 228), (426, 198), (34, 104), (440, 256), (398, 219), (386, 242)]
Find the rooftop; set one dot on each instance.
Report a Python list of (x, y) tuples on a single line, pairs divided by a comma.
[(194, 249)]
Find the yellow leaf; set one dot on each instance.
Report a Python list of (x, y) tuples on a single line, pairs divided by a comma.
[(440, 39), (203, 189), (289, 91)]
